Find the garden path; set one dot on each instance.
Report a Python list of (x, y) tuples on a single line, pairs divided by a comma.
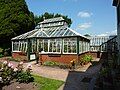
[(82, 78)]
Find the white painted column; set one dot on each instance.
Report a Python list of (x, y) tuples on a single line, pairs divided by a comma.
[(12, 46)]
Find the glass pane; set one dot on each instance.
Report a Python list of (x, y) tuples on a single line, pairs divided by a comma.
[(15, 46), (40, 44), (61, 32), (50, 47), (54, 46), (80, 46), (74, 45), (66, 33), (20, 46), (70, 33), (65, 48), (45, 46), (58, 47), (69, 47)]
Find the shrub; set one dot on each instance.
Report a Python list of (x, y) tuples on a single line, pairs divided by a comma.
[(24, 77), (7, 52), (104, 72), (1, 55), (58, 64), (64, 66), (12, 59), (8, 73), (87, 58), (50, 63)]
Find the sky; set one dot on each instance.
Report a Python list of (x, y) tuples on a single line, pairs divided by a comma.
[(94, 17)]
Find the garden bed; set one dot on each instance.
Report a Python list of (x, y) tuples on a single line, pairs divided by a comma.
[(16, 78), (20, 86), (40, 83)]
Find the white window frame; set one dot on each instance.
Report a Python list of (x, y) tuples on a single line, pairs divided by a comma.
[(70, 46)]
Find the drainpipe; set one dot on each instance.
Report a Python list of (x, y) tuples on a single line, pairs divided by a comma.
[(118, 32), (116, 3), (28, 49), (78, 50)]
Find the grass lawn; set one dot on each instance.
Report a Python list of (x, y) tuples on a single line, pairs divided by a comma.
[(46, 83)]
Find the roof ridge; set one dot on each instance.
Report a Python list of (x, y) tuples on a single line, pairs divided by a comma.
[(54, 18)]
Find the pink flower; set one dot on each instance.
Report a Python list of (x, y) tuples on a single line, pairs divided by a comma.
[(0, 79), (15, 69), (5, 62), (2, 68), (21, 63), (10, 65), (29, 66)]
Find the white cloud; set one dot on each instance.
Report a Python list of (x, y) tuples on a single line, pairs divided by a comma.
[(114, 32), (84, 26), (84, 14)]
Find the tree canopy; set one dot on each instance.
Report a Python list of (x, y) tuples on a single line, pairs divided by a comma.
[(15, 19), (47, 15)]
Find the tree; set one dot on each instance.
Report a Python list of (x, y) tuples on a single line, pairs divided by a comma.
[(47, 15), (87, 35), (15, 19)]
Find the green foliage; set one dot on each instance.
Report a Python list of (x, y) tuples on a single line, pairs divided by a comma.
[(8, 73), (47, 15), (87, 35), (12, 59), (15, 19), (46, 83), (87, 58), (24, 77), (50, 63), (1, 50), (1, 55), (104, 72), (58, 64)]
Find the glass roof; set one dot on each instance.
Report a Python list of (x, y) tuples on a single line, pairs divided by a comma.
[(55, 31)]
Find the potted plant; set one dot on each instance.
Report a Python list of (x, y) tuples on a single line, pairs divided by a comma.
[(86, 59)]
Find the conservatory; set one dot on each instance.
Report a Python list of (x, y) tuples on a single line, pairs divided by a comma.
[(53, 39)]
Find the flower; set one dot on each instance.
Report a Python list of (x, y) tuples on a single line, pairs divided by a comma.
[(2, 68), (0, 79), (21, 63), (5, 62), (10, 65), (15, 69), (29, 66)]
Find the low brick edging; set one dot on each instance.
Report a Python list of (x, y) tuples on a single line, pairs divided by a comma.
[(61, 58), (19, 56), (66, 58)]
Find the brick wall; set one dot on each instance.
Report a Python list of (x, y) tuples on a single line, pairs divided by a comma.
[(66, 58), (19, 56)]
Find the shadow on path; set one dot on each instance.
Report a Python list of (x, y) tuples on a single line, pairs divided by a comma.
[(78, 80)]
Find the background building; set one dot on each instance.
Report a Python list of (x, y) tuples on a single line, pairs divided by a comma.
[(96, 41)]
